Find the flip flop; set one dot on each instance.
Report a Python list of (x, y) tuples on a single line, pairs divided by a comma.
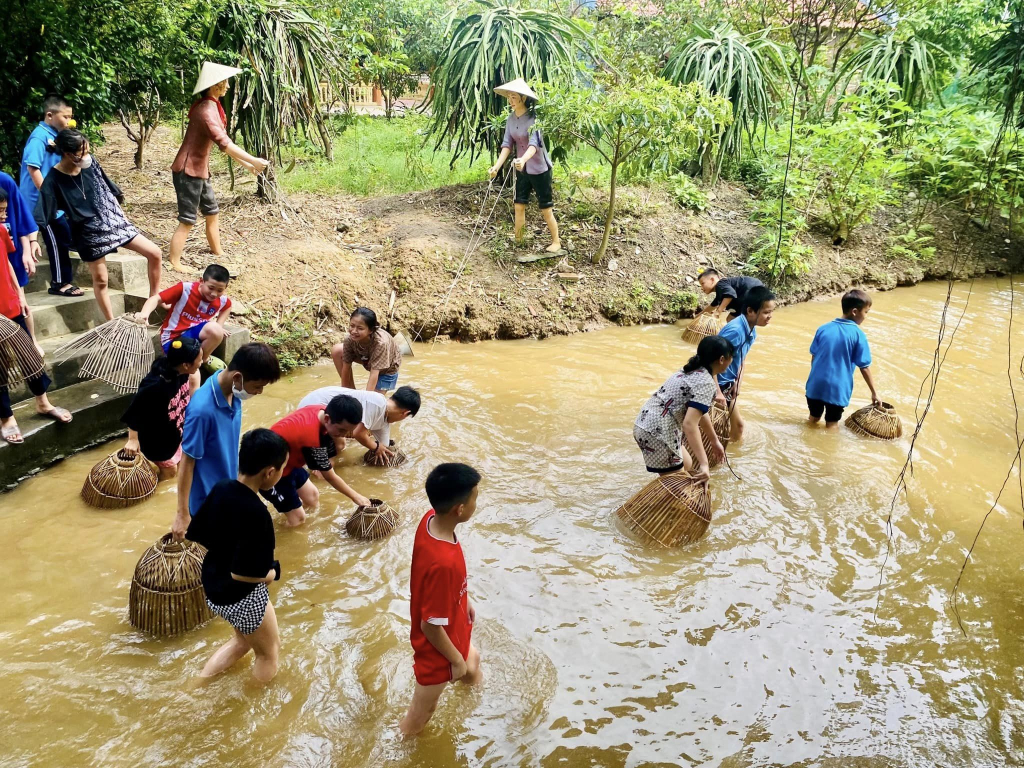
[(57, 414), (72, 291), (12, 435)]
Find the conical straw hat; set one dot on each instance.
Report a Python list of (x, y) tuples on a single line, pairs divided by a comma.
[(211, 74), (516, 86)]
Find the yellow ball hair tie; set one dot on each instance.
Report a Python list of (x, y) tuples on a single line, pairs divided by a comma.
[(176, 344)]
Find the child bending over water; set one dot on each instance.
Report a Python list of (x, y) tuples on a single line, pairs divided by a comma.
[(373, 348), (681, 407), (238, 533), (442, 615), (756, 312), (839, 347)]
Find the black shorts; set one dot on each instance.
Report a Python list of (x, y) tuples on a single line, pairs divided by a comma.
[(285, 495), (833, 413), (539, 183), (193, 194)]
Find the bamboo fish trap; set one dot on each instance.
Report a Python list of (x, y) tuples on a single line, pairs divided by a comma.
[(371, 460), (120, 353), (671, 510), (373, 522), (876, 421), (120, 480), (702, 326), (720, 421), (167, 595), (19, 358)]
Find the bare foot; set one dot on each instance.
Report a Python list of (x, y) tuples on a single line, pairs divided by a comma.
[(177, 266), (554, 247)]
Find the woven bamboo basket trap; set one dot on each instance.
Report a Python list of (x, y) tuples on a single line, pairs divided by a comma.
[(720, 421), (373, 522), (167, 595), (120, 480), (671, 510), (876, 421), (19, 358), (371, 460), (701, 327), (119, 352)]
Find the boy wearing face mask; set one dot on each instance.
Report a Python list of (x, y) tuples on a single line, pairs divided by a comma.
[(213, 428)]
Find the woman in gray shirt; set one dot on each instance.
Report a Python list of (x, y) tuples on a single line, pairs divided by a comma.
[(532, 163)]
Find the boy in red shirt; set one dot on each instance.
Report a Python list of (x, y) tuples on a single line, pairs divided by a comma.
[(311, 434), (14, 307), (197, 310), (442, 615)]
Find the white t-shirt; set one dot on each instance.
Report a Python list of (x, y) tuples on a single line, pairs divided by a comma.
[(375, 407)]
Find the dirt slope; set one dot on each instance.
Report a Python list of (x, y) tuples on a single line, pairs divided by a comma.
[(305, 264)]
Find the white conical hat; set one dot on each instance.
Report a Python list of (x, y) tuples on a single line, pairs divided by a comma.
[(211, 74), (516, 86)]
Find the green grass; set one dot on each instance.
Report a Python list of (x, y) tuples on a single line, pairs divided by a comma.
[(374, 156)]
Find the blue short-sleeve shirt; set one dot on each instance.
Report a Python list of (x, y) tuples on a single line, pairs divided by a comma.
[(742, 336), (210, 435), (838, 348), (19, 223), (36, 156)]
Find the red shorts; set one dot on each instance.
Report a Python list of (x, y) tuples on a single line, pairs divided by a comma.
[(432, 668)]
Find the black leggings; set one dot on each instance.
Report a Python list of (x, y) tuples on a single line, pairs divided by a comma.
[(57, 236), (37, 386)]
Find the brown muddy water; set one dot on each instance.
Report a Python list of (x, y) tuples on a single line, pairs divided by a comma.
[(758, 646)]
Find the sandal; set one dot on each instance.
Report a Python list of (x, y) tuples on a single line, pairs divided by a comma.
[(57, 414), (68, 291), (12, 435)]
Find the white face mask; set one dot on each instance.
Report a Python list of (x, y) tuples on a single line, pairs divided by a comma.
[(86, 162), (241, 394)]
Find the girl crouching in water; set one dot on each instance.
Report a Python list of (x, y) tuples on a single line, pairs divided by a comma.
[(373, 348), (681, 407)]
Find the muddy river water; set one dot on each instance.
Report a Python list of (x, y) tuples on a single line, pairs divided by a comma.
[(767, 643)]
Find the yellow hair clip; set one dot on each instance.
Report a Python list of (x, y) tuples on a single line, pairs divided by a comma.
[(176, 344)]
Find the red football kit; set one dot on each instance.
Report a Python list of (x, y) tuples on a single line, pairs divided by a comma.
[(188, 309), (439, 596), (304, 434), (10, 299)]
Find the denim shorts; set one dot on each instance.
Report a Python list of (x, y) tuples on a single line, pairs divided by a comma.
[(285, 495), (387, 381)]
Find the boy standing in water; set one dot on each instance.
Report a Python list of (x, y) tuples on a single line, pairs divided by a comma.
[(442, 616), (238, 533), (757, 309), (213, 427), (838, 347), (729, 291)]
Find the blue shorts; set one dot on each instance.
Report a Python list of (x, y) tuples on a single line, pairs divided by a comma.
[(387, 381), (285, 495), (188, 333)]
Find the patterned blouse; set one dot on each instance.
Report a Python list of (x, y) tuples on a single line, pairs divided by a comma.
[(662, 415)]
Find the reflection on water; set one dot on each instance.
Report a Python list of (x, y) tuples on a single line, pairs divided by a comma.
[(757, 646)]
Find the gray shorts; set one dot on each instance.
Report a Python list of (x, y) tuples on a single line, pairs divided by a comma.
[(193, 194)]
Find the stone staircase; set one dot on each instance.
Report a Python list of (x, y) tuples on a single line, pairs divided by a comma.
[(95, 405)]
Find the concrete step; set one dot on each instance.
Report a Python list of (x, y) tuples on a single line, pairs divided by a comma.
[(126, 271), (61, 315), (65, 373), (96, 408)]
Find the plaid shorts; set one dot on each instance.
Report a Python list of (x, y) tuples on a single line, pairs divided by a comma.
[(247, 614)]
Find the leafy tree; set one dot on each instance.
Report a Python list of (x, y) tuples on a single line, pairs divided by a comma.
[(749, 70), (907, 60), (287, 54), (498, 43), (638, 121)]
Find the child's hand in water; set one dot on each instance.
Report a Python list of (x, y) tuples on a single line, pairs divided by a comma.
[(361, 501), (383, 452), (718, 450), (459, 670)]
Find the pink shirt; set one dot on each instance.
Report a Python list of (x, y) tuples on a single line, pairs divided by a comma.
[(206, 127)]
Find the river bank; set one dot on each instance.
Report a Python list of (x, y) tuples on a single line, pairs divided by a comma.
[(305, 262)]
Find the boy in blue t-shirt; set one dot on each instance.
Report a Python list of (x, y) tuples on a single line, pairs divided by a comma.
[(36, 162), (756, 311), (838, 347)]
